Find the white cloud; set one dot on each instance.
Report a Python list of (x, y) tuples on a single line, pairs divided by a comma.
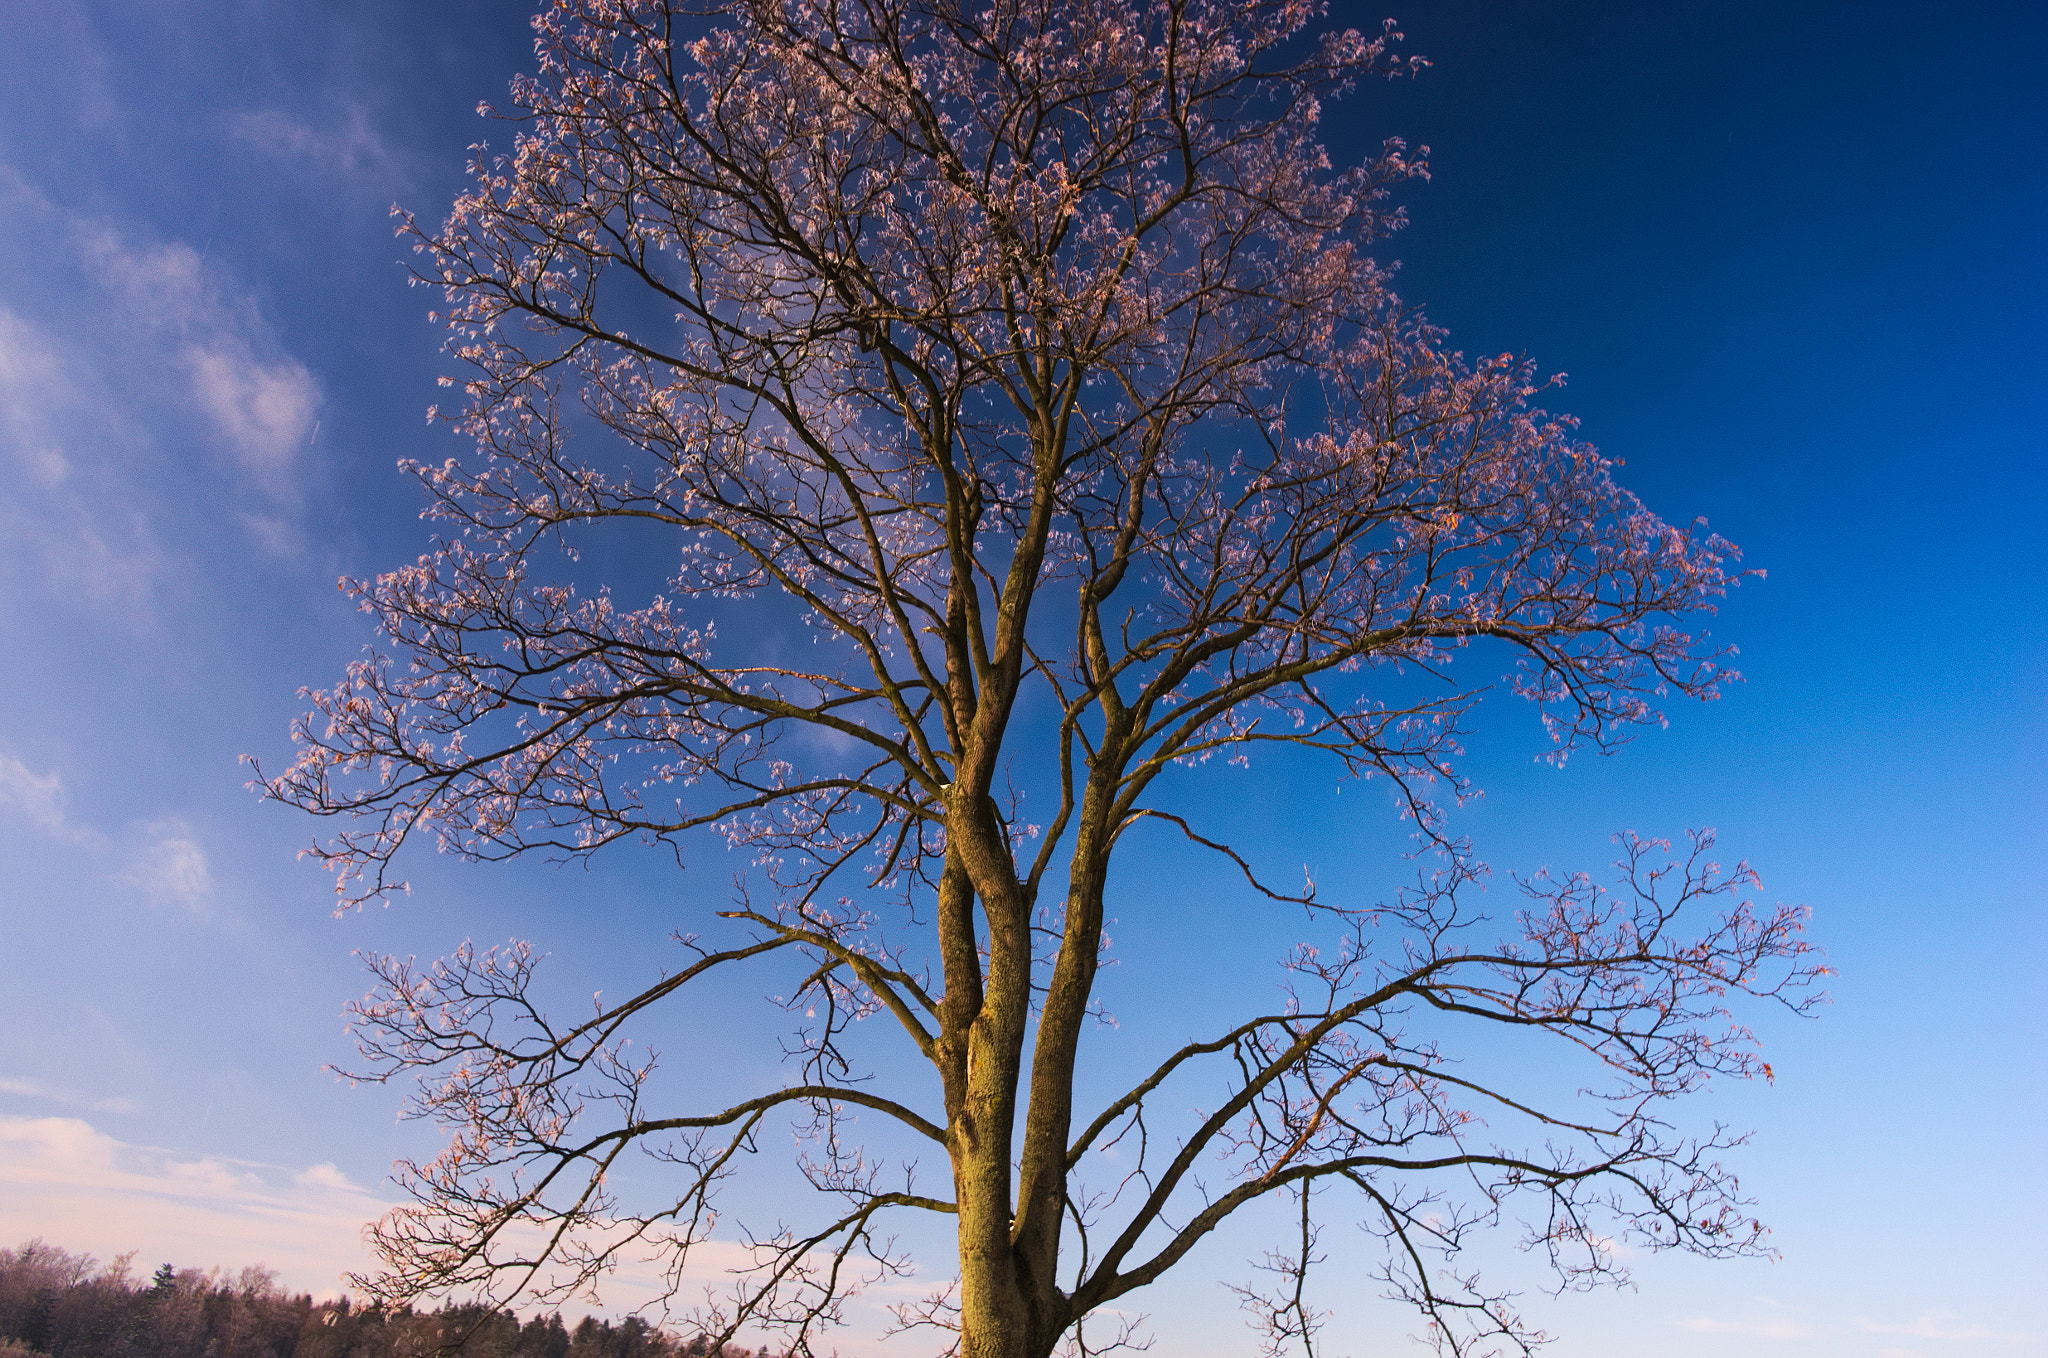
[(1749, 1329), (163, 858), (349, 144), (36, 397), (75, 504), (72, 500), (29, 377), (264, 409), (158, 285), (40, 797), (327, 1175), (259, 399), (279, 535), (64, 1180), (117, 356), (50, 466), (1609, 1246), (37, 795), (172, 869), (79, 529)]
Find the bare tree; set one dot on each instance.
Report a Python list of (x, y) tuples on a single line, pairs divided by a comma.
[(1029, 359)]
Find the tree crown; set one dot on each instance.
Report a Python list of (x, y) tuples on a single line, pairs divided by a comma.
[(1029, 365)]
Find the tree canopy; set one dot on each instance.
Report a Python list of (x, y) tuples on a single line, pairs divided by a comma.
[(1031, 365)]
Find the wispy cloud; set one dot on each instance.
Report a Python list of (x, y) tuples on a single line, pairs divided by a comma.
[(260, 400), (163, 858), (264, 409), (347, 142), (1769, 1328), (171, 868), (1939, 1325), (136, 378), (31, 382), (85, 533), (36, 795), (40, 799), (36, 1089), (63, 1179)]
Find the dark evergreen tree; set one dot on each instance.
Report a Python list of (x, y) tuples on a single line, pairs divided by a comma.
[(36, 1327)]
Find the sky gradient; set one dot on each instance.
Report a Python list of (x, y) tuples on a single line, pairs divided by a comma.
[(1791, 257)]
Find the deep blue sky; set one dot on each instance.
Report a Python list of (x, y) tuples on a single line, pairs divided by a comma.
[(1791, 257)]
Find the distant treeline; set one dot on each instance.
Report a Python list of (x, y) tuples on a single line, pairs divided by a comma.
[(54, 1304)]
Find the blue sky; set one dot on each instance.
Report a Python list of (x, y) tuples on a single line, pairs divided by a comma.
[(1790, 255)]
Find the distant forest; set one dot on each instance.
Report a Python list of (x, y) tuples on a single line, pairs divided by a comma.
[(54, 1304)]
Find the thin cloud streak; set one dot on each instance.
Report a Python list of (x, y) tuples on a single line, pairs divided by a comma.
[(1749, 1329), (36, 1089), (1940, 1325)]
